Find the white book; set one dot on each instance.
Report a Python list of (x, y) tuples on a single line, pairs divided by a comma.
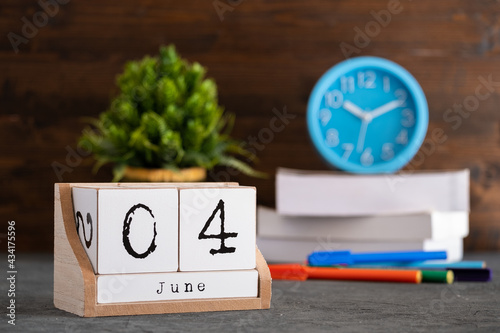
[(325, 193), (427, 225), (289, 250)]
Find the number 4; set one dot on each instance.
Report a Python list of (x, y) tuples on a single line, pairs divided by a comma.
[(222, 235)]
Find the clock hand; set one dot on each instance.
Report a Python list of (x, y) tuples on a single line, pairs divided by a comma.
[(385, 108), (362, 135), (354, 109), (365, 120)]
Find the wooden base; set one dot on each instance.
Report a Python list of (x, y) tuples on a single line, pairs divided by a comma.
[(75, 281)]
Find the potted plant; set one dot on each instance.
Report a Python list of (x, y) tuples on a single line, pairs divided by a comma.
[(165, 124)]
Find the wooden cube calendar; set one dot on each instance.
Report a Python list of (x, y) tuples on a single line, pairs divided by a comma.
[(143, 248)]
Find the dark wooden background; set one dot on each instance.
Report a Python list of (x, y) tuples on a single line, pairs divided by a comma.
[(263, 55)]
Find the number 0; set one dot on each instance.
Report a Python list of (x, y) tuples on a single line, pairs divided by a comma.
[(126, 233)]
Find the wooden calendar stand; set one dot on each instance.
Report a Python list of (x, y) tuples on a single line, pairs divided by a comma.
[(75, 284)]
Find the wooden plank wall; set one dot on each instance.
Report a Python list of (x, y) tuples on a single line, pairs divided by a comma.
[(264, 55)]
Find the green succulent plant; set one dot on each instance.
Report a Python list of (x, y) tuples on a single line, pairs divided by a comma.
[(167, 116)]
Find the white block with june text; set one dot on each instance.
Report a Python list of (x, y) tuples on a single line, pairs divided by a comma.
[(179, 285)]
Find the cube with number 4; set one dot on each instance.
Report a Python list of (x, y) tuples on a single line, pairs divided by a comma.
[(217, 228), (128, 230)]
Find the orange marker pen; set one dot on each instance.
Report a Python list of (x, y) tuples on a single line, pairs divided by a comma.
[(301, 273)]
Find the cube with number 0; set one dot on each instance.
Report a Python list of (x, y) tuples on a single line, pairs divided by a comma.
[(217, 228), (128, 230)]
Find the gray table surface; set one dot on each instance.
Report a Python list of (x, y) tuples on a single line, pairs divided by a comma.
[(307, 306)]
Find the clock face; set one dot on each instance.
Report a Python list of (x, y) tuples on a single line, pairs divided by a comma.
[(367, 115)]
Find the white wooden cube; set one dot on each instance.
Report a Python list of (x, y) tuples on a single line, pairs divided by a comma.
[(217, 228), (128, 230), (85, 213)]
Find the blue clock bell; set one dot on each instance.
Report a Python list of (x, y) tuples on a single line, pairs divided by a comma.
[(367, 115)]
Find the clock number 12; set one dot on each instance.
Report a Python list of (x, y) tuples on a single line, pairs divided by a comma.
[(367, 80)]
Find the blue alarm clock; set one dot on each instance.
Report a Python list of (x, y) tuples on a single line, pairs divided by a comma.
[(367, 115)]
